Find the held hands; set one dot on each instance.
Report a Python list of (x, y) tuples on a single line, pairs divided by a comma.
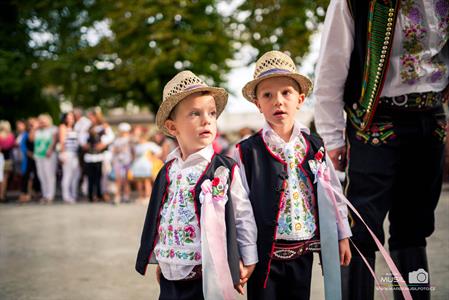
[(245, 274), (338, 157), (345, 252)]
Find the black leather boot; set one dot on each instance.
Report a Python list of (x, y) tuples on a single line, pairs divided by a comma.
[(412, 264), (357, 281)]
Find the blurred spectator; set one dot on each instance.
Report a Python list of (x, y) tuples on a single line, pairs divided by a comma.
[(30, 171), (7, 142), (100, 137), (69, 142), (167, 144), (146, 154), (19, 153), (45, 140), (82, 125), (244, 133), (220, 144), (121, 162)]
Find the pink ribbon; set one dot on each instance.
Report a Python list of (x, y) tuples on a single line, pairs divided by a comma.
[(324, 177), (215, 255)]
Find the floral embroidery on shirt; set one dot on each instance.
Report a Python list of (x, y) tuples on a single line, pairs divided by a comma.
[(415, 60), (414, 33), (179, 232), (442, 13), (296, 219)]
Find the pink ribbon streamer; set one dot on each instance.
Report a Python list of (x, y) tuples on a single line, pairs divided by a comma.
[(214, 227), (323, 176)]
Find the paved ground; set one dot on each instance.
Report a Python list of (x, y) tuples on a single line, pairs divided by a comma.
[(87, 251)]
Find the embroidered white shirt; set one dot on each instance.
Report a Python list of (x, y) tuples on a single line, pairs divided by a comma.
[(419, 60), (297, 204), (306, 208), (175, 258)]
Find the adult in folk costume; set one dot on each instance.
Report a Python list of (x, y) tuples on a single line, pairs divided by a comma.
[(386, 64)]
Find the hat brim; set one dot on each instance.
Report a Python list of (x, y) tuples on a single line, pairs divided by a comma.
[(220, 95), (305, 84)]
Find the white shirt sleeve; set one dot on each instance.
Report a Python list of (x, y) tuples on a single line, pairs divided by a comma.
[(108, 137), (244, 220), (337, 42)]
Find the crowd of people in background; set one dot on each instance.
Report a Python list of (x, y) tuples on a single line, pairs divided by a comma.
[(83, 156), (83, 159)]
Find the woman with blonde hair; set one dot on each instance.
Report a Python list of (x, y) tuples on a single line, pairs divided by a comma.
[(45, 140)]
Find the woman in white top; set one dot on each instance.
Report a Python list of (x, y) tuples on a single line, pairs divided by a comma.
[(68, 139)]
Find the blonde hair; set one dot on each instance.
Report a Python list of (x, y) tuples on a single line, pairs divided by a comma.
[(5, 128), (47, 118)]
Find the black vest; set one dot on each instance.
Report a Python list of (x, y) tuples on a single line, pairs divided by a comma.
[(266, 175), (374, 24), (158, 197)]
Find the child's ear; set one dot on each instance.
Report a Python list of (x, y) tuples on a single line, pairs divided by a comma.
[(301, 99), (171, 127)]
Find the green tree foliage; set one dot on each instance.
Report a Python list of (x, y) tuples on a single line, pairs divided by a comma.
[(285, 25), (109, 53), (145, 44), (20, 84)]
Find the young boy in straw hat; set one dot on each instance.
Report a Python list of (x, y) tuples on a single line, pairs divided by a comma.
[(278, 166), (199, 227)]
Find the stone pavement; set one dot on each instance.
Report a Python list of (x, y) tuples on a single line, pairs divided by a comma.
[(87, 251)]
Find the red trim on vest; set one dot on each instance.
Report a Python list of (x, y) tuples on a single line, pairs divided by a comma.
[(164, 197), (279, 207)]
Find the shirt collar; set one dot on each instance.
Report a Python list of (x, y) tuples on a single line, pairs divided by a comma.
[(204, 154), (298, 128)]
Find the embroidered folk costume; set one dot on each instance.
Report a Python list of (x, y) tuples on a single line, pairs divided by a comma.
[(388, 70), (199, 223)]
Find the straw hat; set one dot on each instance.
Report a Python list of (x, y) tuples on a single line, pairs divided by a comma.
[(275, 64), (182, 85)]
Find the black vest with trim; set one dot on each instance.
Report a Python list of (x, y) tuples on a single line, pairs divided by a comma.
[(266, 177), (158, 197), (374, 24)]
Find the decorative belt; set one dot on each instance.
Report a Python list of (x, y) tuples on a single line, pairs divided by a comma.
[(290, 251), (412, 102), (196, 273)]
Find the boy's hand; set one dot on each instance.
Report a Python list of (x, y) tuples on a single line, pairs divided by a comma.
[(158, 274), (345, 252), (245, 274)]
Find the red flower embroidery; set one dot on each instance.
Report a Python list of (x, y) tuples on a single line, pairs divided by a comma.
[(216, 181), (319, 155), (190, 230)]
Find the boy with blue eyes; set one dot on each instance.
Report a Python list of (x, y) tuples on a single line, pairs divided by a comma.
[(278, 167), (199, 228)]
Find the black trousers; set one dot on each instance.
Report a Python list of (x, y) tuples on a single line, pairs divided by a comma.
[(30, 171), (94, 175), (396, 167), (287, 280), (181, 290)]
